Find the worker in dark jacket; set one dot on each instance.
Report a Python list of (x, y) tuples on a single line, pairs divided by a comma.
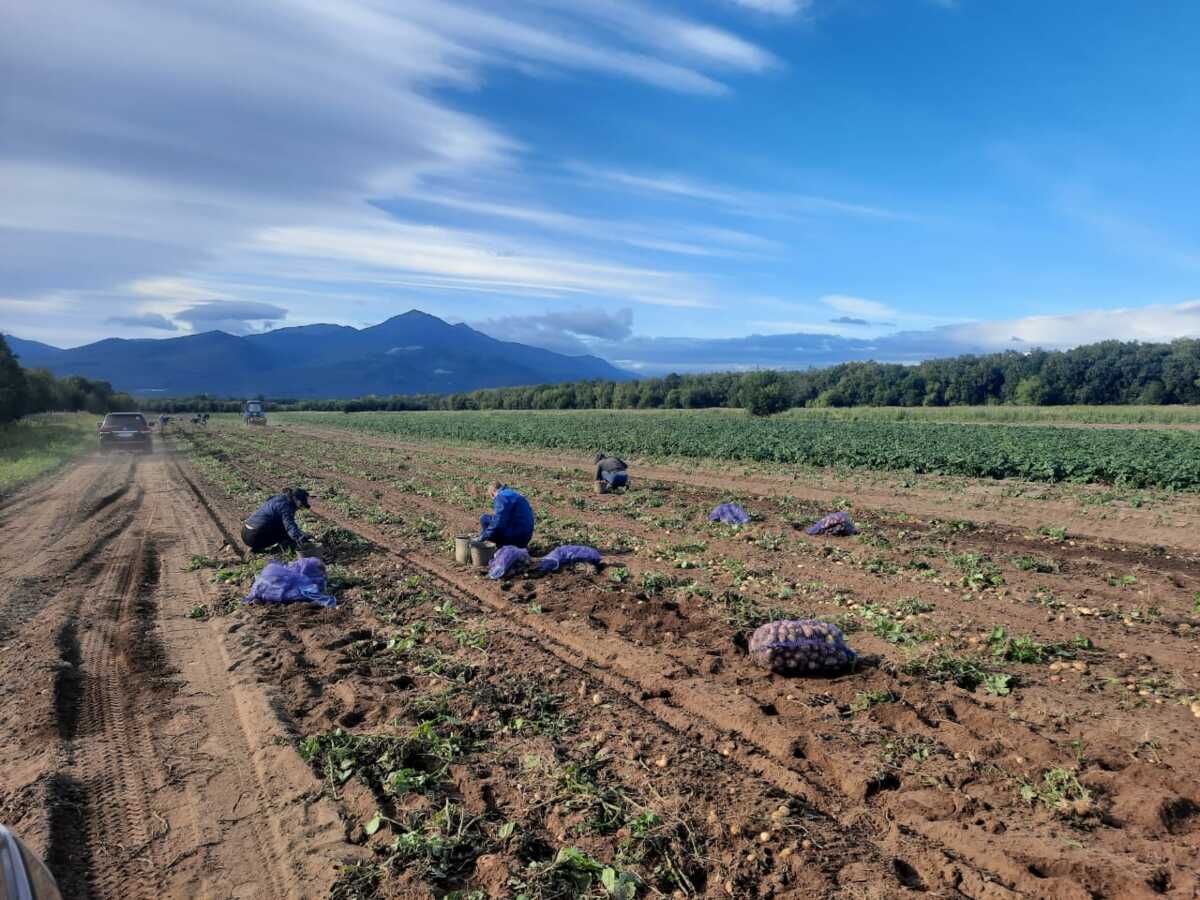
[(511, 523), (275, 522), (611, 469)]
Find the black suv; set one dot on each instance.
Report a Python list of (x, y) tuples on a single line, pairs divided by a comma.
[(125, 431)]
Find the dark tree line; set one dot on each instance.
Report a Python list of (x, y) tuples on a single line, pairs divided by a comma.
[(1112, 372), (26, 391)]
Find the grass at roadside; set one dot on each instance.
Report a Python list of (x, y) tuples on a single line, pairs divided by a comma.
[(38, 444)]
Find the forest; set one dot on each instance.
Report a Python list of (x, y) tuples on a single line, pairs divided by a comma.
[(1110, 372), (27, 391)]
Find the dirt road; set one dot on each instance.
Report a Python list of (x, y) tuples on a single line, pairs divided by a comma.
[(141, 757)]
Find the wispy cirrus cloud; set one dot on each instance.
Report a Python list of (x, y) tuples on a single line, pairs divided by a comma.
[(742, 202), (441, 258), (777, 7), (858, 306), (675, 237), (153, 142)]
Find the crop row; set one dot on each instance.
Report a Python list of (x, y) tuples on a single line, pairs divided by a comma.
[(1139, 458)]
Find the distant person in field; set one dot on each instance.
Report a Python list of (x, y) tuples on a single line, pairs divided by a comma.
[(274, 523), (511, 523), (612, 469)]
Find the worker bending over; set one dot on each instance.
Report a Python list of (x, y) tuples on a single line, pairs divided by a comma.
[(611, 469), (511, 524), (275, 522)]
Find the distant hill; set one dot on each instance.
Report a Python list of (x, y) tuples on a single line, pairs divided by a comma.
[(413, 353), (31, 353)]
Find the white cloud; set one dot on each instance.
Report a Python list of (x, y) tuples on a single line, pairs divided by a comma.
[(572, 332), (664, 237), (232, 316), (778, 7), (1154, 324), (159, 147), (387, 252), (858, 307), (781, 205)]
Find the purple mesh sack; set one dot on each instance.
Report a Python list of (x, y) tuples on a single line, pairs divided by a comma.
[(509, 561), (838, 523), (800, 646), (302, 581), (568, 555), (730, 514)]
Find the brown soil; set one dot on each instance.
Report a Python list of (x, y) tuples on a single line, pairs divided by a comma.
[(615, 712), (137, 761), (931, 777)]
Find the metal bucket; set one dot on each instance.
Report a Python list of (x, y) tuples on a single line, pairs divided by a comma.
[(462, 548), (482, 553)]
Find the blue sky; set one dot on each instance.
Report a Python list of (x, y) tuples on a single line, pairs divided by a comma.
[(651, 181)]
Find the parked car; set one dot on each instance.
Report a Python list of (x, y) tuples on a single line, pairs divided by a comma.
[(125, 431), (253, 413)]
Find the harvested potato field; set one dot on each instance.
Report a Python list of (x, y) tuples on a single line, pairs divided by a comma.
[(1019, 723)]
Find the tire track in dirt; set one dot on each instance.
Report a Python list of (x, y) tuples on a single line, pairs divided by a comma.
[(136, 778), (112, 751), (28, 595), (284, 836)]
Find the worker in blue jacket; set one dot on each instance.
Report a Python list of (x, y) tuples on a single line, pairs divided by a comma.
[(275, 522), (511, 525)]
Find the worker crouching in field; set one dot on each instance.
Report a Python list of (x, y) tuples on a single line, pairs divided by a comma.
[(274, 523), (511, 524), (612, 471)]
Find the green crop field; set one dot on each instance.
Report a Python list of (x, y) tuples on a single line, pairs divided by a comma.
[(1064, 415), (1134, 457)]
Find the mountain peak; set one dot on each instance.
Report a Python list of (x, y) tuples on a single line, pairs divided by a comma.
[(410, 353)]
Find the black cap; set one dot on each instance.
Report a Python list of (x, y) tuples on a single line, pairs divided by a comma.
[(301, 497)]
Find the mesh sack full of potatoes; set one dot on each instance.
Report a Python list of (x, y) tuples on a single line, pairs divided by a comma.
[(801, 646)]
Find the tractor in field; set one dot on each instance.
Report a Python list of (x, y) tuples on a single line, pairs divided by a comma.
[(253, 413)]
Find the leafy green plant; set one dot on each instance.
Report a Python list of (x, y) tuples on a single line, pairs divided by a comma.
[(864, 700), (1025, 649), (979, 572), (1059, 790), (199, 561), (391, 764), (441, 846), (571, 875), (656, 582), (959, 670), (914, 606), (998, 683), (1035, 564)]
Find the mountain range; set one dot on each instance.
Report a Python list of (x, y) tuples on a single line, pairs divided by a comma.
[(412, 353)]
